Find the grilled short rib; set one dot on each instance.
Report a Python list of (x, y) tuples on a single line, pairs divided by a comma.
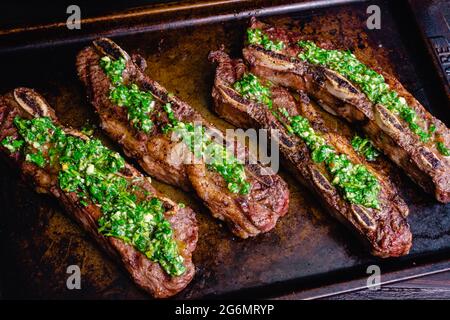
[(147, 274), (386, 230), (246, 215), (422, 161)]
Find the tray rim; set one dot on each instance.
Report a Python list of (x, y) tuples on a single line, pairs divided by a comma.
[(88, 32)]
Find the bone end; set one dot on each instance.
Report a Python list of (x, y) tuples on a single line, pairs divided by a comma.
[(109, 48), (33, 103)]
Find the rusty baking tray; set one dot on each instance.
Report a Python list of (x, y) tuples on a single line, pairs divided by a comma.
[(308, 254)]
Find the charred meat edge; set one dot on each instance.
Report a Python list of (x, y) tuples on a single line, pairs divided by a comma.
[(148, 275), (246, 215), (385, 231), (389, 133)]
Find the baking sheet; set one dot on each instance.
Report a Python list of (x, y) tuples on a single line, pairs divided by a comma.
[(307, 249)]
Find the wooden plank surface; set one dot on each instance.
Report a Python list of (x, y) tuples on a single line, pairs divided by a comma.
[(434, 287)]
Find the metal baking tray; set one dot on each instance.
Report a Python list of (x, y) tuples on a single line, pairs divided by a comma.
[(308, 254)]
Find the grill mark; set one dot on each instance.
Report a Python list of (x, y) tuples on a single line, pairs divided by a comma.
[(234, 95), (286, 141), (157, 92), (301, 67), (340, 80), (321, 181), (362, 215), (273, 54), (389, 117), (430, 158)]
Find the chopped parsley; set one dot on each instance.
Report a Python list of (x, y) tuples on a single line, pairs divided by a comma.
[(113, 69), (371, 83), (365, 147), (256, 36), (36, 158), (141, 103), (251, 88), (355, 181), (88, 130), (216, 156), (11, 144), (442, 148), (357, 184), (92, 171)]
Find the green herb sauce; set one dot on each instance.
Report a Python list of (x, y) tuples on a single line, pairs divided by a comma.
[(88, 130), (442, 149), (355, 181), (140, 104), (365, 147), (11, 144), (256, 36), (91, 170), (216, 156), (251, 88), (371, 83)]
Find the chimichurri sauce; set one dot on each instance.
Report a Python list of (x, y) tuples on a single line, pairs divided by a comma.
[(256, 36), (140, 105), (365, 147), (371, 83), (92, 171), (357, 184)]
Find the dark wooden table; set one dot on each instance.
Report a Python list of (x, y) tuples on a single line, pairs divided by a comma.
[(433, 287), (436, 286)]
